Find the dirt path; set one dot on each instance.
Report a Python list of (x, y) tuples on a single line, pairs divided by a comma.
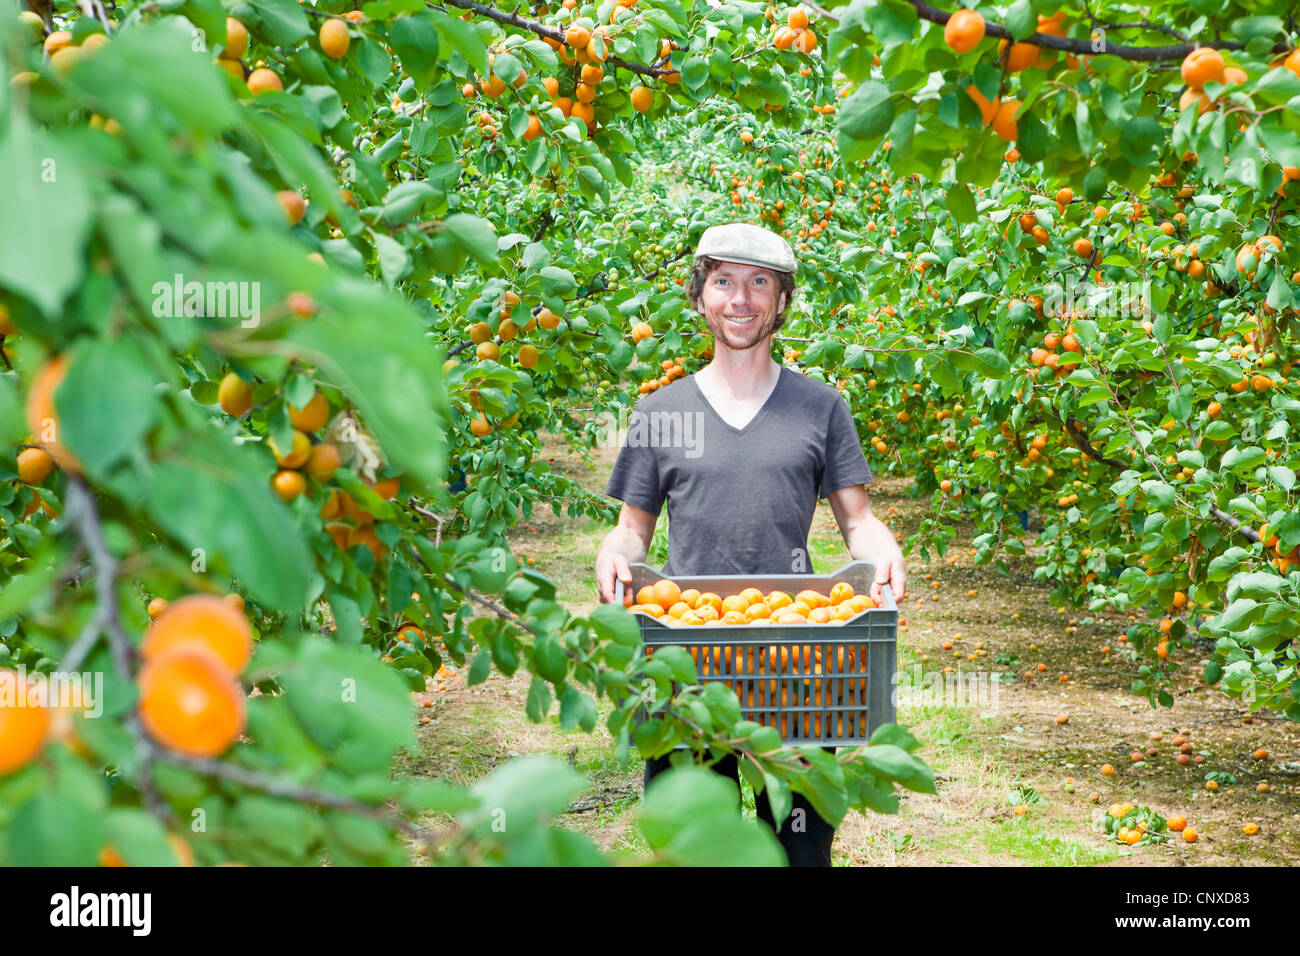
[(983, 751)]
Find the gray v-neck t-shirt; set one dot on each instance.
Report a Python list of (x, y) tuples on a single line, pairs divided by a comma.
[(740, 500)]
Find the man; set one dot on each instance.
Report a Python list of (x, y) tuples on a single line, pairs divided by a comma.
[(767, 442)]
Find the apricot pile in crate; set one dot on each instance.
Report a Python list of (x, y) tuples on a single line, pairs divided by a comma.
[(667, 602)]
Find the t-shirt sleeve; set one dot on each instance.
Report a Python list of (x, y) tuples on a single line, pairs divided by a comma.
[(635, 478), (846, 465)]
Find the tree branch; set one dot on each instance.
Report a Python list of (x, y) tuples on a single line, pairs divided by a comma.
[(1081, 439), (821, 11), (1084, 443), (1146, 54), (1249, 533), (548, 32), (83, 515)]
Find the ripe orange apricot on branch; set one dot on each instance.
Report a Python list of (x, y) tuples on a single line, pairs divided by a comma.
[(263, 80), (41, 416), (334, 38), (987, 110), (201, 620), (34, 465), (1020, 56), (24, 722), (191, 703), (312, 416), (1203, 65), (964, 31), (236, 39), (1004, 120), (295, 207)]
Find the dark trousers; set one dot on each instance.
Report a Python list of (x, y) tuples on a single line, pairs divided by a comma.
[(805, 837)]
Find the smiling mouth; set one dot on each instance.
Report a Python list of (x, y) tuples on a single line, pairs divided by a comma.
[(741, 319)]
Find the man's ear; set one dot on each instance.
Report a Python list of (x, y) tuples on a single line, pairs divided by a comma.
[(781, 308)]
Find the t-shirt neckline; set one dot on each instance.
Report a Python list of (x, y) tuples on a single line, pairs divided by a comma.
[(780, 377)]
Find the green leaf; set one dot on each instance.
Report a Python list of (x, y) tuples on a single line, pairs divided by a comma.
[(1222, 565), (404, 200), (577, 710), (550, 662), (475, 235), (780, 800), (352, 706), (1033, 138), (538, 702), (279, 22), (286, 826), (961, 203), (1138, 140), (614, 623), (895, 763), (414, 40), (1220, 431), (557, 281), (674, 795), (55, 829), (1236, 615), (1242, 459), (45, 186), (1159, 495), (479, 668), (679, 663), (462, 37), (892, 21), (107, 402), (1283, 475), (138, 838), (945, 377), (695, 73), (394, 259), (895, 736), (373, 346), (1249, 28), (868, 112), (520, 795), (217, 502)]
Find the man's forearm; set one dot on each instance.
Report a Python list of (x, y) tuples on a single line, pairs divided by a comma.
[(865, 537), (626, 542)]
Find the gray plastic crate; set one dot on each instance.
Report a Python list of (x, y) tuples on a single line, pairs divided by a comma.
[(775, 669)]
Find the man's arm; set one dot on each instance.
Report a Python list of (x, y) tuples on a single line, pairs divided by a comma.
[(629, 541), (868, 539)]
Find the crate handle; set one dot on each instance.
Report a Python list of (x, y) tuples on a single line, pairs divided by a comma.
[(618, 589)]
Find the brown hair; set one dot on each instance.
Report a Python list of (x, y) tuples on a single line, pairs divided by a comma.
[(706, 266)]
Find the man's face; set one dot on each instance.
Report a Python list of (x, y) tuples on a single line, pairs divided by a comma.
[(740, 304)]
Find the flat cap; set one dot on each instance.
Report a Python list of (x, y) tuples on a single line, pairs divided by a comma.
[(748, 245)]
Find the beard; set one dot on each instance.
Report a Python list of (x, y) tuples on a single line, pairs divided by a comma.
[(739, 338)]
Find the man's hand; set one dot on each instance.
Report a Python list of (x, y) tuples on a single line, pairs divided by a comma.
[(628, 542), (868, 539), (880, 547), (612, 567)]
